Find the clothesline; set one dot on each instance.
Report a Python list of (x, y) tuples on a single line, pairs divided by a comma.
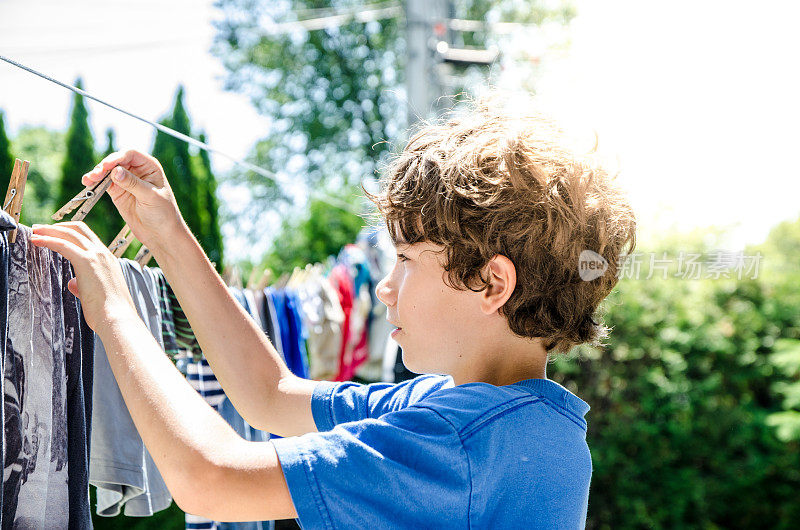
[(281, 181)]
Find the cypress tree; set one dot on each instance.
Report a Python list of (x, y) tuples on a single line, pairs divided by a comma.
[(6, 158), (106, 209), (213, 243), (177, 163), (80, 157), (109, 142)]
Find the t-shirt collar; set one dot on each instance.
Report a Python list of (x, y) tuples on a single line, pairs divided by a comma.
[(556, 393)]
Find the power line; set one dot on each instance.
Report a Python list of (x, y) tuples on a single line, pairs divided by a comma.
[(185, 138)]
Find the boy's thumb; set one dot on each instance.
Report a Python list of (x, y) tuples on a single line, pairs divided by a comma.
[(130, 182)]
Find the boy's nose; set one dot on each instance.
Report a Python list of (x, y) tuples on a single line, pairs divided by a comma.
[(385, 293)]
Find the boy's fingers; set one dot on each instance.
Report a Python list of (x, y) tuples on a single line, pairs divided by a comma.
[(54, 231), (126, 159), (83, 229), (139, 188), (72, 286), (66, 248)]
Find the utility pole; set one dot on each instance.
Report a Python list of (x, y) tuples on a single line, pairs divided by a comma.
[(426, 25), (431, 56)]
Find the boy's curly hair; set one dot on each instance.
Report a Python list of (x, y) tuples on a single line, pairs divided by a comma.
[(496, 180)]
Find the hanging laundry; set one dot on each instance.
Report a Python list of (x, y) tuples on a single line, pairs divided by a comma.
[(343, 283), (184, 336), (167, 317), (259, 301), (322, 318), (291, 331), (272, 328), (355, 260), (47, 390), (379, 252), (120, 466)]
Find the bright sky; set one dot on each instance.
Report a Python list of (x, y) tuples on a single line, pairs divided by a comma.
[(697, 99)]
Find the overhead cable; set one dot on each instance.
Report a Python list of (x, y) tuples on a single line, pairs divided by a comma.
[(183, 137)]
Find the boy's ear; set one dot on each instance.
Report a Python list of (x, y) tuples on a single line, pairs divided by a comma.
[(502, 276)]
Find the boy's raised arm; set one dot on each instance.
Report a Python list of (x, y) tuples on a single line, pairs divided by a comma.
[(247, 366)]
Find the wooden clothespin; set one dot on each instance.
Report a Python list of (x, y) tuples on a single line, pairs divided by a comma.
[(121, 242), (15, 193), (252, 281), (143, 256), (232, 276), (265, 280), (86, 199)]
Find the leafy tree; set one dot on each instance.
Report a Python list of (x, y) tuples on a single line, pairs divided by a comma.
[(44, 149), (680, 398), (80, 155), (313, 238), (781, 251), (335, 95), (6, 158)]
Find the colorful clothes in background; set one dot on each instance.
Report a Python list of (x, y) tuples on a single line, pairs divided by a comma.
[(343, 283), (291, 331), (322, 319)]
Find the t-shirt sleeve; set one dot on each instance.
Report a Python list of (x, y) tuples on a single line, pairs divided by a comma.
[(335, 403), (406, 467)]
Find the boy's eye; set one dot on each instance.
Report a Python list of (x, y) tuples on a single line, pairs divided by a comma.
[(402, 257)]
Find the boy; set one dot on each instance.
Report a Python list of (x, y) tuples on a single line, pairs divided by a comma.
[(489, 216)]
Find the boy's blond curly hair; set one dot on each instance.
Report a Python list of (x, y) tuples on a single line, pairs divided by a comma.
[(498, 180)]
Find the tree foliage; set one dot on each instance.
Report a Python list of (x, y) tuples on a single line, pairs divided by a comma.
[(314, 237), (110, 146), (681, 399), (44, 149), (336, 95)]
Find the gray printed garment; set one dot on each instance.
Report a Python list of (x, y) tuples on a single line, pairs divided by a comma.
[(120, 465), (45, 417)]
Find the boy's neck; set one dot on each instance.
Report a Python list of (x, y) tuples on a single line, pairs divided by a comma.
[(520, 360)]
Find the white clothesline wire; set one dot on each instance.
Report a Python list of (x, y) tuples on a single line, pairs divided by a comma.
[(188, 139)]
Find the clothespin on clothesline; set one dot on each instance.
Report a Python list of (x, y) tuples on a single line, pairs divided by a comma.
[(143, 256), (121, 242), (86, 199), (15, 193)]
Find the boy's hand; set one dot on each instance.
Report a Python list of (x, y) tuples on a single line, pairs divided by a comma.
[(142, 195), (98, 281)]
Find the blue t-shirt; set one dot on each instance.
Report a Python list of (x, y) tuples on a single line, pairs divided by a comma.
[(427, 454)]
